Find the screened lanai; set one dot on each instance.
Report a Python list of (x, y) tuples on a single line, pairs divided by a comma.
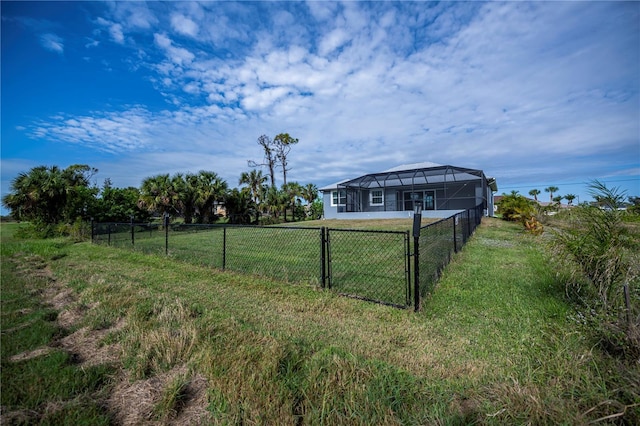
[(431, 186)]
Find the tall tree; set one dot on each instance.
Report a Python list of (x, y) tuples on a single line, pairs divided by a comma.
[(291, 191), (570, 198), (157, 194), (50, 195), (239, 206), (186, 187), (254, 180), (309, 193), (534, 193), (276, 200), (551, 190), (119, 204), (270, 157), (210, 189), (283, 143)]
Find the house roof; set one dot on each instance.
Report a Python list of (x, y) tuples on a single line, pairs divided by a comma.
[(413, 174), (413, 166)]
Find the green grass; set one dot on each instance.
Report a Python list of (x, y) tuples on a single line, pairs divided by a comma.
[(27, 325), (371, 265), (494, 344)]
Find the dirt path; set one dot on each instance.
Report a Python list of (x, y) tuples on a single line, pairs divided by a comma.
[(129, 402)]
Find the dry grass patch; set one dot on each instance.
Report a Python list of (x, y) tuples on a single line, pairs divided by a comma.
[(175, 397)]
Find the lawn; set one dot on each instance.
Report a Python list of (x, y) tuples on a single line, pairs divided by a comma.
[(367, 263), (495, 343)]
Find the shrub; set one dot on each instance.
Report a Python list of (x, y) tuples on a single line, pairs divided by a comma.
[(517, 208), (596, 241)]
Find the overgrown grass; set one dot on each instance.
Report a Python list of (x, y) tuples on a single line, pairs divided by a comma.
[(49, 387), (494, 344)]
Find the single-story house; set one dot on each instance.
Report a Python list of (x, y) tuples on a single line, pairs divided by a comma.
[(440, 190)]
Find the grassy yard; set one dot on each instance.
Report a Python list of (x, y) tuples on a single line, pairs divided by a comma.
[(367, 264), (86, 327)]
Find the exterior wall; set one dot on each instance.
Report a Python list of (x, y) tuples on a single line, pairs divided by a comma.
[(433, 214), (464, 195), (329, 211)]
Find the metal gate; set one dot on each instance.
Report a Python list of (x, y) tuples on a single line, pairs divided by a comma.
[(370, 265)]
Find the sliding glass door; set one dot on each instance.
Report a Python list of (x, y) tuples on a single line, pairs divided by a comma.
[(425, 198)]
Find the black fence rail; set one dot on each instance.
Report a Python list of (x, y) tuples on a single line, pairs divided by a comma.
[(435, 243), (370, 265)]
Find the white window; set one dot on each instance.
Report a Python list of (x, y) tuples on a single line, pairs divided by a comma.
[(339, 198), (376, 197)]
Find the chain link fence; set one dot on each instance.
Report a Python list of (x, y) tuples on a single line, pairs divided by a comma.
[(370, 265), (436, 243)]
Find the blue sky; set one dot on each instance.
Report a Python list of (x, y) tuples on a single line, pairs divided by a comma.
[(535, 94)]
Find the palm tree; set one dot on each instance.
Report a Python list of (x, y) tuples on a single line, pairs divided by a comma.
[(210, 189), (239, 206), (276, 201), (570, 198), (551, 190), (157, 194), (291, 191), (534, 193), (255, 182), (187, 192), (49, 195), (309, 193)]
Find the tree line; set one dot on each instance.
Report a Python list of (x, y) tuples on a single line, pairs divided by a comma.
[(52, 198)]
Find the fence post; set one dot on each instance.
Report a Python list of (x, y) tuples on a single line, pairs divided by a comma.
[(92, 230), (323, 257), (407, 267), (224, 248), (455, 240), (132, 237), (469, 230), (417, 219), (166, 234)]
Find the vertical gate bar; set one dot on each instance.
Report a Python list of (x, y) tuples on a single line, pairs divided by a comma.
[(132, 237), (166, 234), (407, 269), (455, 239), (417, 221), (329, 271), (323, 257), (416, 273), (92, 230), (224, 247), (109, 233)]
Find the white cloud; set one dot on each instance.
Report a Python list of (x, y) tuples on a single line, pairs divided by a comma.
[(333, 41), (52, 43), (524, 91), (133, 15), (177, 55), (184, 25), (115, 30), (116, 33), (111, 132)]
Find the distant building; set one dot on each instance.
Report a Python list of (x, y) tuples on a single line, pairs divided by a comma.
[(440, 190)]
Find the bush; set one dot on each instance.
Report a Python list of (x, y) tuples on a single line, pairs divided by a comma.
[(517, 208), (79, 230), (601, 248)]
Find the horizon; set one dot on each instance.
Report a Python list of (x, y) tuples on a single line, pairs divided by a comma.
[(535, 94)]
